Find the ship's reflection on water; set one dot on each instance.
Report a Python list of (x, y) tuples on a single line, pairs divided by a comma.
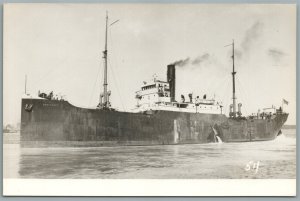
[(269, 159)]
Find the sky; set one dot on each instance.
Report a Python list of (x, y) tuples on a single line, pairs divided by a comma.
[(59, 47)]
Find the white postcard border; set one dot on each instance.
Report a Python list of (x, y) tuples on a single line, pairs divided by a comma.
[(149, 187)]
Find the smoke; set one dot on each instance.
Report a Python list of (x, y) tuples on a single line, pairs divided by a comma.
[(252, 35), (237, 53), (250, 39), (181, 62), (196, 61), (200, 59), (276, 54)]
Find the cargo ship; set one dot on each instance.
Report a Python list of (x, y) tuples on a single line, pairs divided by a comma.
[(158, 119)]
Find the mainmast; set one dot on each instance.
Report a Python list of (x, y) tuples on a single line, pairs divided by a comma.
[(233, 82), (105, 95), (233, 105)]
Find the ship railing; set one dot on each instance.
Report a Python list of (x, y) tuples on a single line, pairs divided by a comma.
[(205, 101), (262, 116)]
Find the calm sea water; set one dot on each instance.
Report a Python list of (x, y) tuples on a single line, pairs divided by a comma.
[(262, 160)]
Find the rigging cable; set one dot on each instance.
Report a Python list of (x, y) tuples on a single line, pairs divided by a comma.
[(92, 94), (115, 80), (243, 93), (116, 85), (218, 85), (48, 73), (225, 97)]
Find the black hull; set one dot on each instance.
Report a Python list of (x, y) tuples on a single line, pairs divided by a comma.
[(53, 122)]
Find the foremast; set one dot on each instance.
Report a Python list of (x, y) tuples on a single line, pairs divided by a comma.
[(104, 97)]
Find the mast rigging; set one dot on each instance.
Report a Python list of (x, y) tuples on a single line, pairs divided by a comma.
[(105, 95), (233, 82), (233, 113)]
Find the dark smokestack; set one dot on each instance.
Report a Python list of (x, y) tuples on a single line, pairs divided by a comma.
[(171, 79)]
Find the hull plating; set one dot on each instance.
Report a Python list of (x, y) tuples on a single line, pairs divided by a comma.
[(58, 122)]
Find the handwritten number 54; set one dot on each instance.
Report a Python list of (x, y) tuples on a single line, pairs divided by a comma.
[(252, 165)]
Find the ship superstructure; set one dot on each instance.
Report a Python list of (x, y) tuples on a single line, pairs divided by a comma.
[(160, 95)]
